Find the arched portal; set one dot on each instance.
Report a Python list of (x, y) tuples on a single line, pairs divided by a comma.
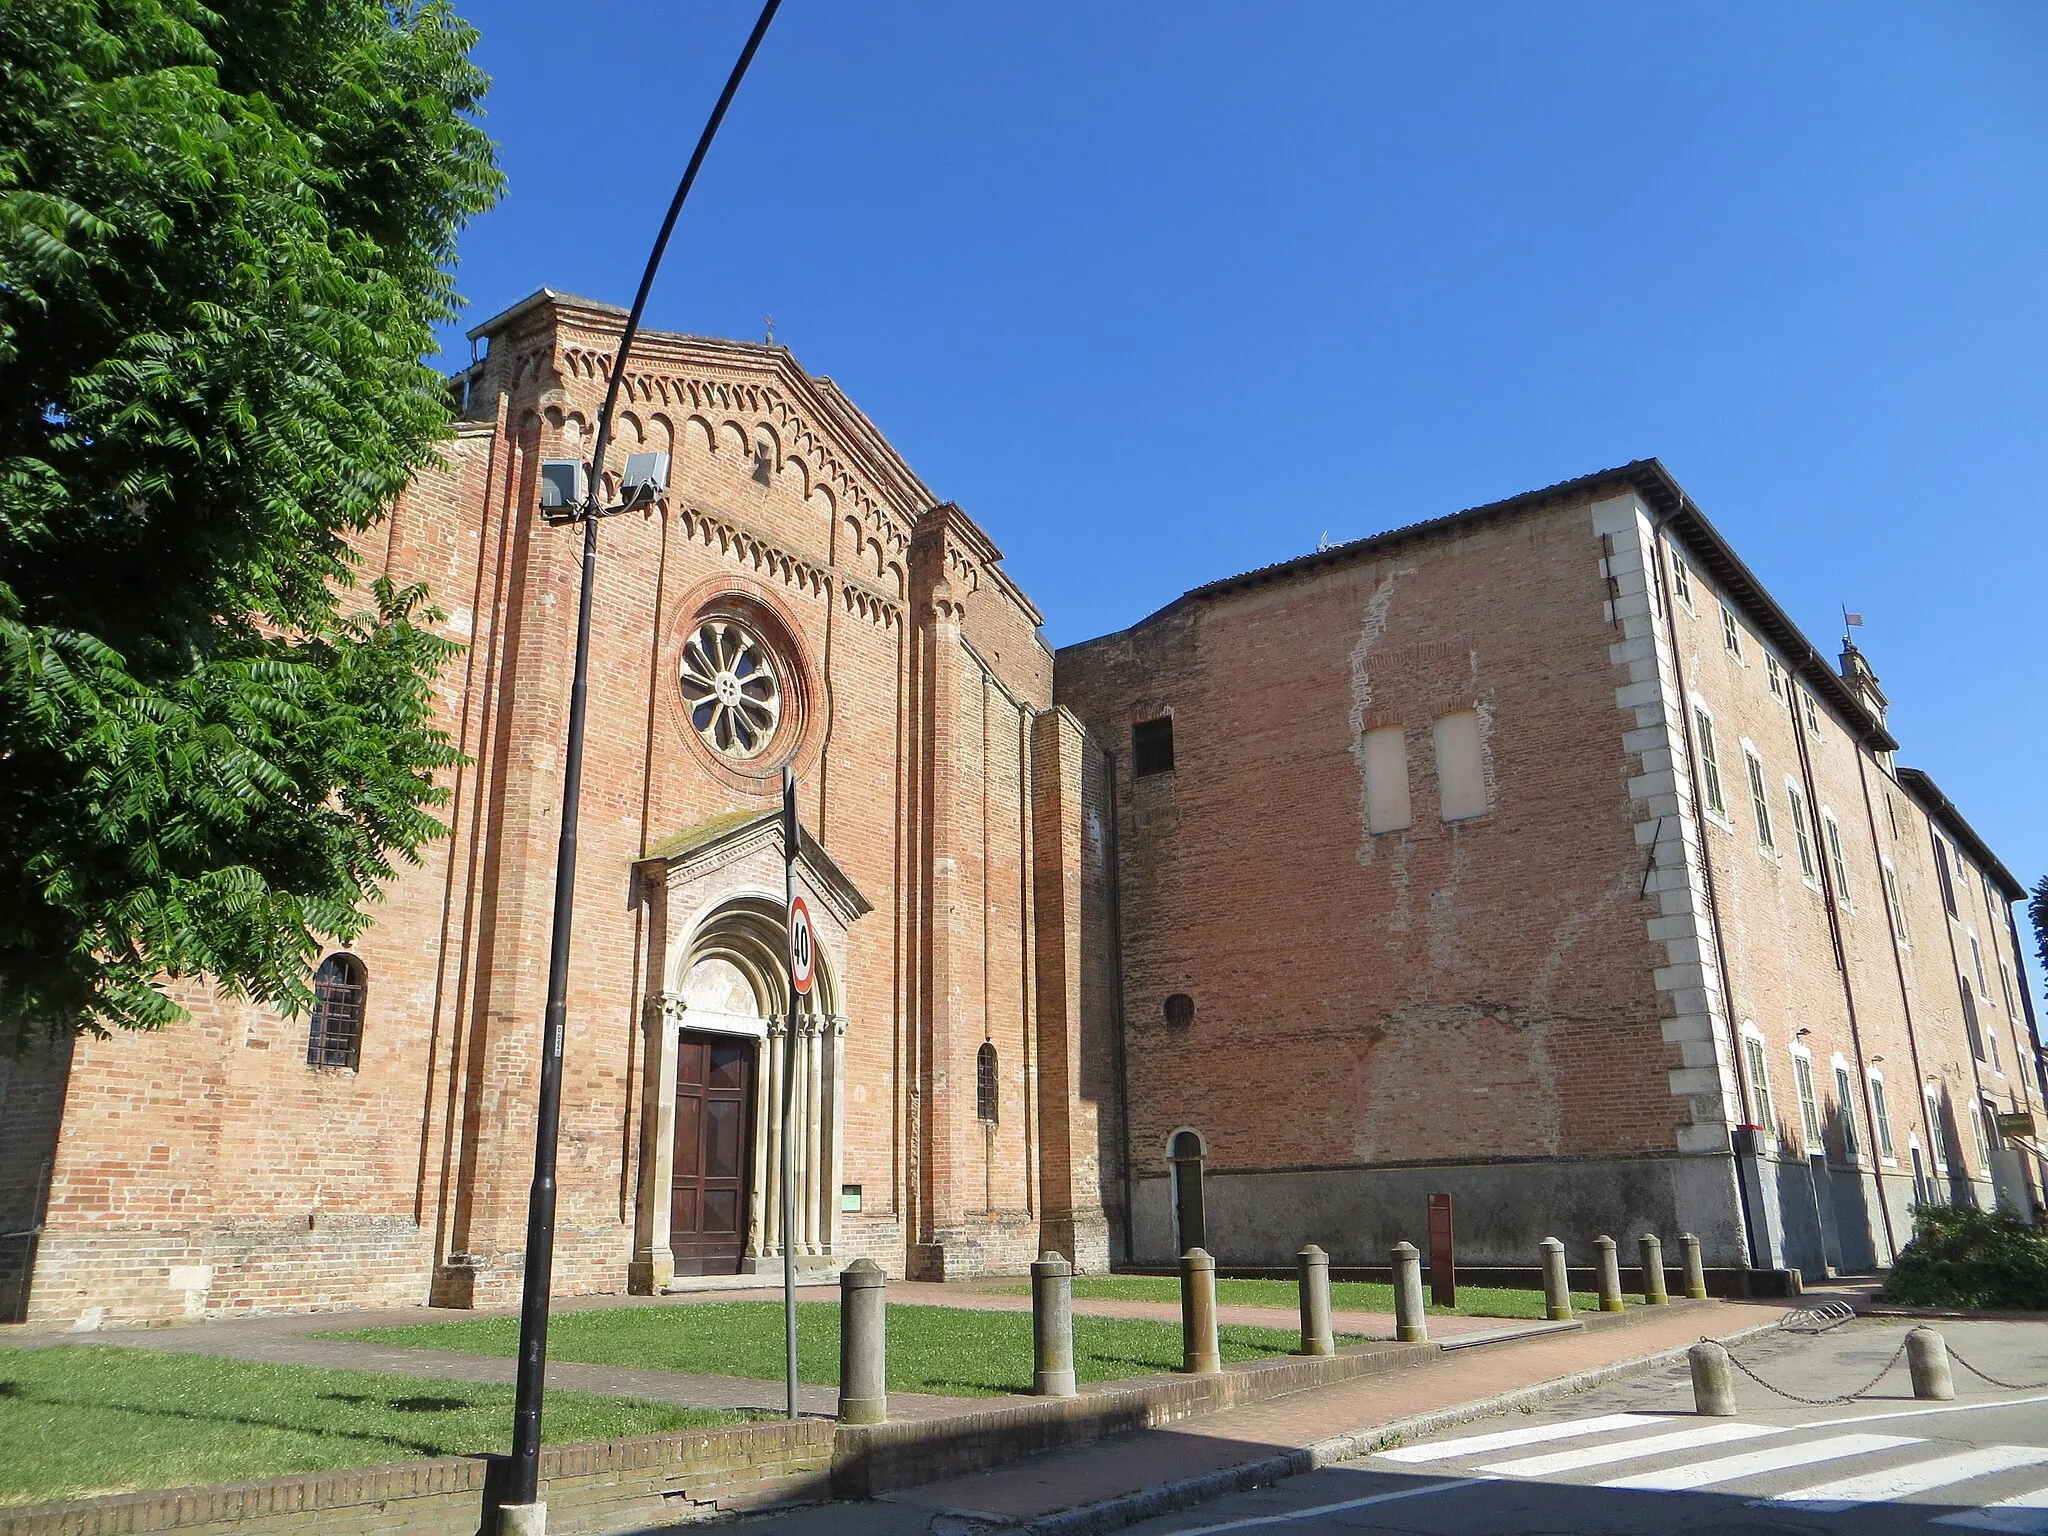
[(718, 1052)]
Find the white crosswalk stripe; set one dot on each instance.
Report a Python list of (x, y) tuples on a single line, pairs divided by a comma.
[(1917, 1477), (1778, 1458), (1610, 1451), (1531, 1434), (2024, 1514)]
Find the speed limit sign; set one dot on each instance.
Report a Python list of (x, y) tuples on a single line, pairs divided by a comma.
[(803, 946)]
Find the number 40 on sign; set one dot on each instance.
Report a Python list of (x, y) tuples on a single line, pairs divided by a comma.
[(803, 946)]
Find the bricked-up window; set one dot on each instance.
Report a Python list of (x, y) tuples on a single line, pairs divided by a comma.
[(1809, 1100), (1460, 766), (1883, 1116), (1710, 761), (1760, 801), (985, 1084), (1731, 633), (1845, 1111), (1152, 746), (1797, 802), (1891, 896), (1386, 780), (336, 1038), (1759, 1084), (1837, 864)]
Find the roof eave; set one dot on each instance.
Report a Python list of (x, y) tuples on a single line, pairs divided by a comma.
[(1923, 789)]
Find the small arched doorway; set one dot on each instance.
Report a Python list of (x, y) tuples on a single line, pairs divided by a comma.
[(1186, 1153)]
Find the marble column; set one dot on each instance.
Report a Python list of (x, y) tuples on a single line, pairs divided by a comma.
[(653, 1267), (771, 1156), (834, 1129)]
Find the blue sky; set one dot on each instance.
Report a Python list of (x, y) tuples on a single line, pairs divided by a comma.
[(1162, 292)]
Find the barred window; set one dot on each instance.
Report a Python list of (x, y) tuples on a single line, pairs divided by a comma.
[(336, 1038), (985, 1083)]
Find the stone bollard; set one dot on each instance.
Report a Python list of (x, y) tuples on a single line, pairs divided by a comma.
[(1652, 1249), (1313, 1267), (1199, 1353), (1610, 1275), (1052, 1327), (1927, 1359), (1557, 1285), (1713, 1380), (1695, 1271), (1410, 1326), (863, 1343)]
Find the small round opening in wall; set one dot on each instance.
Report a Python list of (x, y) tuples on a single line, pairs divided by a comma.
[(1180, 1010), (732, 688)]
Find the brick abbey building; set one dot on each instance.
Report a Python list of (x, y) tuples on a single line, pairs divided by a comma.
[(1570, 878)]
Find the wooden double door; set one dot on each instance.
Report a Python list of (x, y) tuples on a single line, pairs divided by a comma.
[(707, 1213)]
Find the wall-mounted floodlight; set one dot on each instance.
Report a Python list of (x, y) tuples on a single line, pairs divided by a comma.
[(646, 477), (564, 485)]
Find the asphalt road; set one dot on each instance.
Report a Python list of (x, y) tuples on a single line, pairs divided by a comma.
[(1633, 1458)]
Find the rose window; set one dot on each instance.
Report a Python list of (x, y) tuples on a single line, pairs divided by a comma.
[(730, 688)]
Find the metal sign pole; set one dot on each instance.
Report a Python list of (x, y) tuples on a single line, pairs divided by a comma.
[(789, 851)]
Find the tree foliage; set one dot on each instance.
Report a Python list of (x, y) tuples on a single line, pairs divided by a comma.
[(225, 237), (1964, 1258)]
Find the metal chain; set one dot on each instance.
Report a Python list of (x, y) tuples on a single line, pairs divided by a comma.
[(2010, 1386), (1817, 1402)]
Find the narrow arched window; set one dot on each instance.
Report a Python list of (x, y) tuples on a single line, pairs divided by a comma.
[(336, 1038), (985, 1083)]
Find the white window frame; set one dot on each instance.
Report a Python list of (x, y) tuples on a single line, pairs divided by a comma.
[(1731, 635), (1837, 857), (1930, 1103), (2005, 985), (1955, 852), (1708, 749), (1762, 1112), (1795, 802), (1977, 1135), (1977, 964), (1889, 878), (1681, 580), (1774, 674), (1759, 798), (1881, 1133), (1845, 1109), (1811, 1132), (1812, 714)]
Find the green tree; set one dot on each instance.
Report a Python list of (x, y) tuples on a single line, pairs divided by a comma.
[(225, 236)]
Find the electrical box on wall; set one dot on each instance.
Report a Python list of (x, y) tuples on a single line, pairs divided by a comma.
[(646, 476), (563, 484)]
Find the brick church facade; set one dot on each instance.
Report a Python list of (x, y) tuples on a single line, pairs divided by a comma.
[(1530, 854), (946, 1101)]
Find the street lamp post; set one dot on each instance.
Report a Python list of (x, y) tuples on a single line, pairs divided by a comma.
[(521, 1513)]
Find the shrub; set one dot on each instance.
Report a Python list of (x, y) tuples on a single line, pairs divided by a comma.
[(1965, 1258)]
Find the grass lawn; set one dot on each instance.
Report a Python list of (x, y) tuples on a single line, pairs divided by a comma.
[(947, 1350), (1345, 1295), (85, 1419)]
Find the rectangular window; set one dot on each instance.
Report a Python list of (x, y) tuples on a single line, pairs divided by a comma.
[(1710, 762), (1681, 578), (1845, 1112), (1972, 1027), (1891, 814), (1991, 1051), (1460, 766), (1759, 1085), (1948, 886), (1809, 1101), (1977, 960), (1891, 896), (1977, 1134), (1759, 800), (1962, 869), (1884, 1119), (1731, 633), (1776, 675), (1812, 714), (2005, 985), (1936, 1130), (1836, 863), (1152, 747), (1386, 779), (1797, 802)]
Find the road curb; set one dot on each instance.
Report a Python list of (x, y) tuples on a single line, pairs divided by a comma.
[(1164, 1498)]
